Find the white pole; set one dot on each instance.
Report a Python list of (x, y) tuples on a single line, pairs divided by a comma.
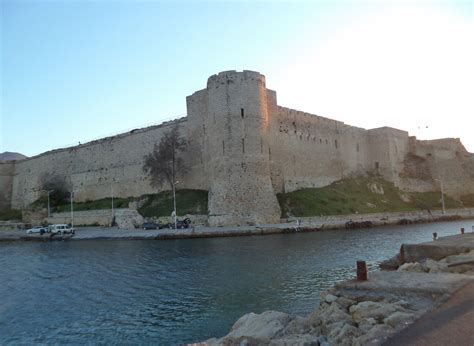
[(112, 193), (174, 202), (72, 210), (442, 197), (49, 210)]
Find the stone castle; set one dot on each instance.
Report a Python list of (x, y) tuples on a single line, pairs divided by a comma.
[(244, 148)]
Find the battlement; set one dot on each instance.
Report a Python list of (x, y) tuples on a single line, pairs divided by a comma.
[(232, 76)]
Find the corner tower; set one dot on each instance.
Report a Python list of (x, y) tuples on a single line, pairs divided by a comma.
[(237, 150)]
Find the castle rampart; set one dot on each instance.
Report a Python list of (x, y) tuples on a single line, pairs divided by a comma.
[(244, 148)]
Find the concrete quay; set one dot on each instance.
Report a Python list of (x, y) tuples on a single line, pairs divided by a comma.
[(428, 302)]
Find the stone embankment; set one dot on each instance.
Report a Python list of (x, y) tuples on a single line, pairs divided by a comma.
[(369, 312)]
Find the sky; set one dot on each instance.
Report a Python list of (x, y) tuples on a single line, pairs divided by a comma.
[(74, 71)]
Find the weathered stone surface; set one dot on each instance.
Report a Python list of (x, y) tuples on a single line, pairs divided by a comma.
[(345, 303), (366, 324), (328, 314), (299, 339), (375, 310), (266, 325), (411, 267), (397, 318), (432, 266), (375, 336), (343, 335), (330, 298)]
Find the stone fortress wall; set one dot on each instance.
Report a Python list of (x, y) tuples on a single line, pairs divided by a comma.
[(244, 148)]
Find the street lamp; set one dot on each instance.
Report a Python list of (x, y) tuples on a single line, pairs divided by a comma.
[(112, 195), (174, 202), (442, 195), (49, 209), (72, 209)]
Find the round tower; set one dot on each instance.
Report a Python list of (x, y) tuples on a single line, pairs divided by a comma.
[(237, 149)]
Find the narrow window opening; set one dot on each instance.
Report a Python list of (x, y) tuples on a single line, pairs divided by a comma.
[(242, 112), (335, 143), (243, 145)]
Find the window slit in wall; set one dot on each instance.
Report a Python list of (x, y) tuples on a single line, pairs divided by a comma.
[(243, 145), (335, 143), (242, 112)]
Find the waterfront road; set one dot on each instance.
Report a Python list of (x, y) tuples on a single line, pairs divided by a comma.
[(450, 324)]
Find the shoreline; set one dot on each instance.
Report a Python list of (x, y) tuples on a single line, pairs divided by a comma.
[(386, 307), (314, 224)]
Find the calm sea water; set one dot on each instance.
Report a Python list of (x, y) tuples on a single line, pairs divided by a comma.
[(170, 292)]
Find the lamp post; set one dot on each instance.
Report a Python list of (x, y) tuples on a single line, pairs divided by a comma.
[(442, 195), (72, 209), (174, 204), (49, 208), (112, 195)]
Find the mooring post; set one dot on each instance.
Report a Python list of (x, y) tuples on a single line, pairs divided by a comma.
[(361, 271), (435, 235), (462, 230)]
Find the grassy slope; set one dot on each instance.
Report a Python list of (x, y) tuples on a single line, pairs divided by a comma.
[(187, 202), (351, 196), (161, 204)]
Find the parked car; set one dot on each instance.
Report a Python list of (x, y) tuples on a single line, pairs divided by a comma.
[(181, 223), (150, 225), (62, 229), (37, 229)]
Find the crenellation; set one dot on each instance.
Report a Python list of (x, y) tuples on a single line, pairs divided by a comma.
[(244, 148)]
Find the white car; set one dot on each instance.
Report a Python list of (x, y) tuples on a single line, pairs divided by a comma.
[(37, 229), (61, 229)]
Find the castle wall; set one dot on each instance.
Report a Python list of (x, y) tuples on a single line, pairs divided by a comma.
[(7, 171), (313, 151), (95, 169), (244, 148), (237, 155)]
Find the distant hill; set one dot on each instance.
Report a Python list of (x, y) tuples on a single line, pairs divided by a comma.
[(9, 156)]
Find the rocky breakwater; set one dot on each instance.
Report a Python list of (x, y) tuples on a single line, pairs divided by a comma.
[(367, 312)]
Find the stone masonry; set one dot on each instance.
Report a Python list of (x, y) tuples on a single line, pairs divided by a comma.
[(244, 148)]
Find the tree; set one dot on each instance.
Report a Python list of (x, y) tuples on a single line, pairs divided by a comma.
[(164, 162), (57, 187)]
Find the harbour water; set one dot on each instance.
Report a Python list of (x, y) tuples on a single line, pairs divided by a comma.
[(176, 291)]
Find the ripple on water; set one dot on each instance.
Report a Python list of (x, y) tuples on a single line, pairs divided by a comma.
[(168, 292)]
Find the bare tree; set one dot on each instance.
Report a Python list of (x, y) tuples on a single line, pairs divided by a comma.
[(164, 162)]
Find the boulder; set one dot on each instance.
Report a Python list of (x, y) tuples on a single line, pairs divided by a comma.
[(343, 334), (375, 336), (432, 266), (328, 314), (301, 339), (398, 318), (266, 325), (366, 324), (330, 298), (376, 310), (412, 267), (345, 303)]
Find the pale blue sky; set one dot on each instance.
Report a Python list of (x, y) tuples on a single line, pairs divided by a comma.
[(77, 70)]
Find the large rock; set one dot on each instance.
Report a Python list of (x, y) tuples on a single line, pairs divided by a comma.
[(376, 310), (411, 267), (301, 339), (375, 336), (327, 315), (432, 266), (343, 334), (399, 318), (266, 325)]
